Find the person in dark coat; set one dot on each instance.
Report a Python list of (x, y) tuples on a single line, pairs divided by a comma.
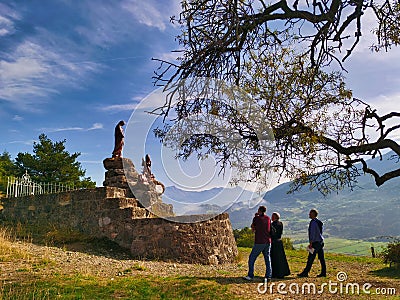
[(280, 266)]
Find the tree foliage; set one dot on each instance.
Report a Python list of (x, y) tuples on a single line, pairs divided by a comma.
[(50, 162), (245, 238), (391, 254), (281, 54), (7, 168), (217, 36)]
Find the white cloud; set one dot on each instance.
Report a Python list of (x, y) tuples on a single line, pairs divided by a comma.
[(110, 23), (95, 126), (33, 71), (96, 162), (169, 56), (66, 129), (151, 101), (7, 17), (28, 142), (386, 103), (22, 67), (107, 24), (17, 118), (118, 107), (46, 62), (368, 38), (147, 13)]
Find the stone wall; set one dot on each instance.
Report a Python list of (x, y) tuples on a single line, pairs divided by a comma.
[(113, 212), (81, 210), (206, 242)]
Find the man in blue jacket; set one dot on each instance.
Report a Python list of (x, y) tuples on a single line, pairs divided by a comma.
[(316, 245)]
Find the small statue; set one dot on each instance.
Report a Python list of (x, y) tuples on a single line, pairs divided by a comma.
[(148, 162), (147, 176), (119, 140)]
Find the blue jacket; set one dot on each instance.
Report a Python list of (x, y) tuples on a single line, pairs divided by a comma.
[(315, 231)]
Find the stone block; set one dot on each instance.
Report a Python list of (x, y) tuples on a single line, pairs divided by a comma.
[(113, 203), (118, 163), (114, 172), (113, 192)]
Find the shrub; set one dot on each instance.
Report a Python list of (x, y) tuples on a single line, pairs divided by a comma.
[(287, 243), (392, 253), (245, 238)]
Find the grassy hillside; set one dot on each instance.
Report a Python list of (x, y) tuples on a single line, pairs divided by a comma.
[(99, 270), (364, 212), (367, 213), (345, 246)]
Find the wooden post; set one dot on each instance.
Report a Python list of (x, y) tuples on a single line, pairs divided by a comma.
[(373, 252)]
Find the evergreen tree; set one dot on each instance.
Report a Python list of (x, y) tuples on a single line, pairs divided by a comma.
[(7, 168), (52, 163)]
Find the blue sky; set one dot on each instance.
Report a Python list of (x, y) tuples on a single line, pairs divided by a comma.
[(73, 69)]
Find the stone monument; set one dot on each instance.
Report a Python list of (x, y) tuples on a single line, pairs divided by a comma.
[(121, 173)]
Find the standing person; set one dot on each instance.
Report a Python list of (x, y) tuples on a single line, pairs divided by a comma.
[(261, 226), (280, 266), (316, 245), (119, 139)]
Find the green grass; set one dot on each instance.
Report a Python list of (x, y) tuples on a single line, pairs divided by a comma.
[(345, 246), (301, 257), (7, 252), (141, 282), (138, 287)]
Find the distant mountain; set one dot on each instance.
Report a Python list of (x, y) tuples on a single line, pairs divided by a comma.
[(198, 202), (206, 195), (366, 212)]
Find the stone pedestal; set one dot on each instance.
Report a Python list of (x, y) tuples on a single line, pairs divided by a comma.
[(121, 173), (115, 174)]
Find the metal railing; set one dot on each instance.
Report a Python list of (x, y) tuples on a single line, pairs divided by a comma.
[(24, 186)]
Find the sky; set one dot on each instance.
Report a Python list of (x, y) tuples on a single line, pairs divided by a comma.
[(74, 69)]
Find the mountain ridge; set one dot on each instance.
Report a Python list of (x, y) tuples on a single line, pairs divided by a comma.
[(365, 212)]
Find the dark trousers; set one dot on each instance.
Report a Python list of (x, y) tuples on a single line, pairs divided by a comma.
[(318, 249)]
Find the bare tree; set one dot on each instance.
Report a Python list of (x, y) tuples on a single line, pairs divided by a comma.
[(278, 52)]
